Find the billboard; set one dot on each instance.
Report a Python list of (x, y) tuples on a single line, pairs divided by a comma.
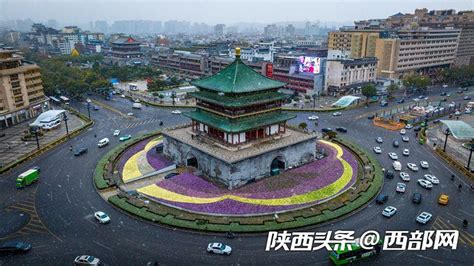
[(308, 64)]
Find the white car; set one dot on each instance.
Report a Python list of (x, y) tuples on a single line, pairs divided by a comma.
[(457, 113), (393, 156), (405, 176), (116, 132), (123, 96), (403, 131), (406, 139), (406, 152), (467, 111), (88, 100), (425, 183), (433, 179), (424, 164), (409, 126), (424, 217), (219, 248), (412, 167), (102, 217), (389, 211), (379, 140), (313, 117), (337, 114), (176, 112), (377, 150), (130, 114), (451, 105), (86, 260), (401, 187)]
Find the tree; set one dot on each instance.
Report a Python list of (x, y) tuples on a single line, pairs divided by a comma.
[(391, 89), (303, 125), (369, 91), (422, 83)]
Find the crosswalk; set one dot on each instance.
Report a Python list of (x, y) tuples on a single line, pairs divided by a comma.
[(441, 223), (143, 122)]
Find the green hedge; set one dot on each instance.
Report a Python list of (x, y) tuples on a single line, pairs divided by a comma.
[(299, 221)]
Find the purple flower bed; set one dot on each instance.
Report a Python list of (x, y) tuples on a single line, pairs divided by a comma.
[(129, 153), (157, 161), (313, 176)]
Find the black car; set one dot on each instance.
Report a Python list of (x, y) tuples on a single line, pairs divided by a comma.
[(465, 89), (341, 129), (401, 100), (14, 246), (443, 94), (2, 135), (459, 91), (170, 175), (326, 130), (467, 97), (436, 121), (395, 143), (416, 198), (371, 117), (383, 103), (381, 199), (96, 108), (80, 151), (417, 128), (389, 174), (444, 100)]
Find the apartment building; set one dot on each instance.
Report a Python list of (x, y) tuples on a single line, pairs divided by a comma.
[(349, 75), (360, 42), (423, 51), (21, 89)]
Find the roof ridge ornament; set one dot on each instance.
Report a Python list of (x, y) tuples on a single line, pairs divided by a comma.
[(237, 52)]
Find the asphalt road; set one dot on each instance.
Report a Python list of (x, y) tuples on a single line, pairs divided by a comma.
[(63, 202)]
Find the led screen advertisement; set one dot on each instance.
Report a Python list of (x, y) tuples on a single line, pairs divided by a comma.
[(308, 64)]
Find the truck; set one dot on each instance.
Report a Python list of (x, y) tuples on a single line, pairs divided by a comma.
[(27, 178)]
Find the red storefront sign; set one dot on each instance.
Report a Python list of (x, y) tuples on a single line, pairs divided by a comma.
[(269, 70)]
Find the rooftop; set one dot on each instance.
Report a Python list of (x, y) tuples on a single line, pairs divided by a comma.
[(239, 124), (244, 100), (237, 78), (240, 153)]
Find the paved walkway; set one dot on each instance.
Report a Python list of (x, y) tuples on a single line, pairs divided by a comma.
[(453, 146), (12, 147)]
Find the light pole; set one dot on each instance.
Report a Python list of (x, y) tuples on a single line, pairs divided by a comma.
[(447, 132), (67, 128), (471, 149), (35, 131), (89, 109), (173, 96)]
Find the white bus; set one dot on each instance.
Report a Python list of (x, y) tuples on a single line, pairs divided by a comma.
[(55, 100), (64, 99)]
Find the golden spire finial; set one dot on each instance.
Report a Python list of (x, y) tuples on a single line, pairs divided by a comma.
[(237, 52)]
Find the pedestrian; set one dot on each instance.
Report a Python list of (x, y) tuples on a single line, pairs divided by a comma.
[(459, 187), (95, 135)]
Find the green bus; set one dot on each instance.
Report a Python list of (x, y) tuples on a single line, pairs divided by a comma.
[(353, 252)]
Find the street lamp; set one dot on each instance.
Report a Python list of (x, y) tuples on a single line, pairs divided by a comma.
[(446, 132), (173, 96), (67, 128), (35, 131), (89, 109), (471, 149)]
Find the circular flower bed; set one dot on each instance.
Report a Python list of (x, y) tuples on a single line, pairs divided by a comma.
[(300, 187)]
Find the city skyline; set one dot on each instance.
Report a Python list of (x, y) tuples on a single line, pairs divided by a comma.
[(227, 12)]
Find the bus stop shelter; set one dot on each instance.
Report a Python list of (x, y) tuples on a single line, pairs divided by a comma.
[(460, 130)]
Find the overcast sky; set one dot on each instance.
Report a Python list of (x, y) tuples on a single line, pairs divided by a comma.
[(214, 11)]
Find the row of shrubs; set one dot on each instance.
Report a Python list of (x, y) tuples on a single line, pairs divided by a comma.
[(155, 214)]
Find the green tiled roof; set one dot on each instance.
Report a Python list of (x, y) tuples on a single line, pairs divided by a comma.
[(240, 100), (241, 124), (237, 78)]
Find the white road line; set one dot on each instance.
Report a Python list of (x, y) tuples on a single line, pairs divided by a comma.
[(67, 196), (428, 258), (449, 170), (454, 216), (102, 245), (470, 214)]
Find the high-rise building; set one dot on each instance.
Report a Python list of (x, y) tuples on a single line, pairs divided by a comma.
[(219, 29), (101, 26), (290, 30), (21, 89), (422, 51), (271, 30), (361, 43)]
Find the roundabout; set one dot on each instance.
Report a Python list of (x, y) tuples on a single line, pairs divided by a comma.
[(316, 192)]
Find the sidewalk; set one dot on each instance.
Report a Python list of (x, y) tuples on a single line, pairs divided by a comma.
[(12, 147)]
